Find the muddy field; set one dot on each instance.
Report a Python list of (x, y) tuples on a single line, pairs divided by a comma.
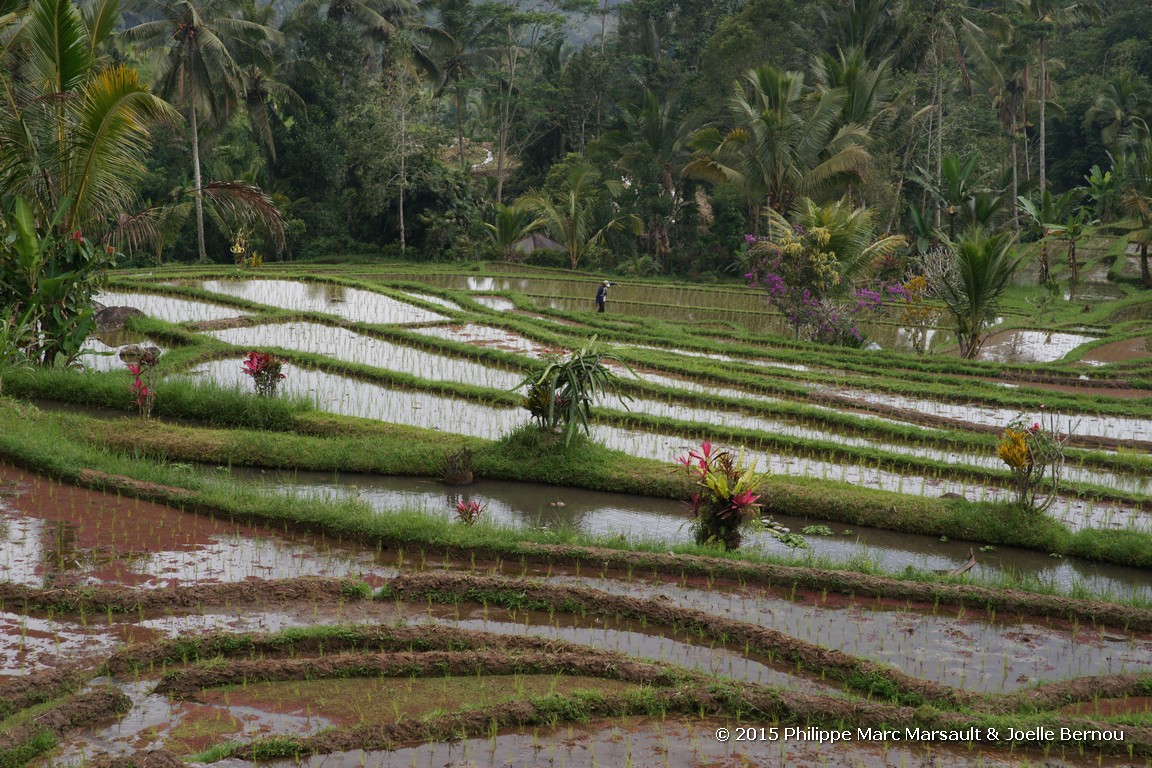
[(157, 636)]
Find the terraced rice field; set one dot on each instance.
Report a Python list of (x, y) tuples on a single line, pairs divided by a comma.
[(160, 630)]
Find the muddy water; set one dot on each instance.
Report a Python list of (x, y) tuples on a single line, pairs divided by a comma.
[(964, 649), (343, 344), (350, 303), (633, 638), (533, 505), (1120, 351), (674, 742), (58, 535), (168, 308), (1031, 346), (31, 643)]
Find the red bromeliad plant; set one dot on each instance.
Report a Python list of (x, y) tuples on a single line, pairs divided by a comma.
[(728, 500), (469, 511), (264, 368)]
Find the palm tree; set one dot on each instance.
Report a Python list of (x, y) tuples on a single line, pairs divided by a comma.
[(570, 214), (73, 135), (868, 88), (1042, 18), (73, 139), (465, 29), (1041, 216), (1126, 103), (1135, 170), (510, 224), (852, 235), (784, 143), (647, 147), (198, 69), (970, 278)]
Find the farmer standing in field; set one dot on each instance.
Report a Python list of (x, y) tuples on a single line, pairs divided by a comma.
[(602, 295)]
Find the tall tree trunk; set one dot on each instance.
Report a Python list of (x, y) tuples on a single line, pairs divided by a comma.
[(505, 126), (460, 129), (1145, 275), (1043, 114), (1024, 138), (603, 25), (199, 185), (1073, 265), (404, 155), (938, 129), (1015, 177)]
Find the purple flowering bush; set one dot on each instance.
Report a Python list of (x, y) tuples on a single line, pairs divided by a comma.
[(800, 280)]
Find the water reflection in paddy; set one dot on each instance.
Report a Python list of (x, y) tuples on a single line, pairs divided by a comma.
[(167, 308), (533, 505), (343, 344), (495, 302), (1117, 427), (1031, 346), (485, 336), (350, 303)]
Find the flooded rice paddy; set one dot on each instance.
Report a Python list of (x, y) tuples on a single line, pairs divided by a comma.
[(1031, 346), (533, 505), (168, 308), (969, 650), (62, 538), (355, 397), (55, 535), (349, 303), (342, 344)]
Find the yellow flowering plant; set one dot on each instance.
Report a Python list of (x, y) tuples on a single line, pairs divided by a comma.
[(1035, 455)]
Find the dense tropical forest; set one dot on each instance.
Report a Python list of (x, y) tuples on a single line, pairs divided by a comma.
[(646, 136)]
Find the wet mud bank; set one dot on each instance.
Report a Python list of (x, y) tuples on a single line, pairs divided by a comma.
[(857, 673), (125, 599), (585, 662)]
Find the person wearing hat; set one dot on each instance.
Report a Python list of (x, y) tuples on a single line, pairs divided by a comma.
[(602, 295)]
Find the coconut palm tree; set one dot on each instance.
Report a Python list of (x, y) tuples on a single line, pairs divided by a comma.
[(73, 138), (970, 278), (784, 143), (648, 148), (197, 69), (569, 215), (1135, 171), (73, 135), (1041, 215), (466, 28), (1125, 103), (511, 224)]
